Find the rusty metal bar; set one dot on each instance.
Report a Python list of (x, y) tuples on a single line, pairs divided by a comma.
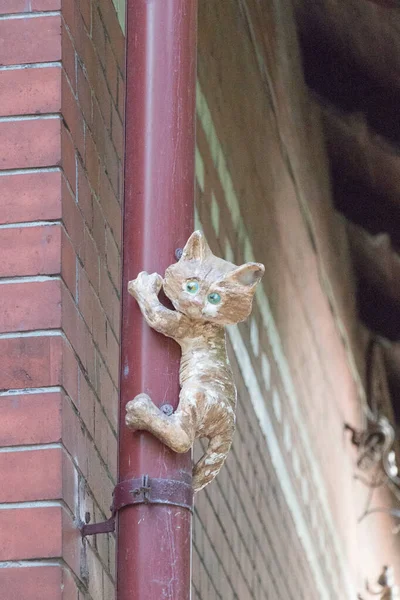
[(154, 540)]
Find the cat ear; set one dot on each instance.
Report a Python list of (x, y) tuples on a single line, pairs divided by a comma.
[(247, 275), (196, 247)]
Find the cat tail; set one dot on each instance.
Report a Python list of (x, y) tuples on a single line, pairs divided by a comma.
[(212, 461)]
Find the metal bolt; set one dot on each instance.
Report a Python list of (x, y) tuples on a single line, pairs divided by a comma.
[(167, 409), (178, 253)]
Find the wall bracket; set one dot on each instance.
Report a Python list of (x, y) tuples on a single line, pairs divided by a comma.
[(143, 490)]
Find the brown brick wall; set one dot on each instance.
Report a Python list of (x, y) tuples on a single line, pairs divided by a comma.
[(281, 521), (61, 154)]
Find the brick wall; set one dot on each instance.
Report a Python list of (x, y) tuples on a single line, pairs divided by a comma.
[(61, 152), (281, 520)]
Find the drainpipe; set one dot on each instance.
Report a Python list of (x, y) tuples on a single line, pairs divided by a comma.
[(154, 540)]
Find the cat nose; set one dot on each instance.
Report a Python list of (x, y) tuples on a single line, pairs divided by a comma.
[(197, 301)]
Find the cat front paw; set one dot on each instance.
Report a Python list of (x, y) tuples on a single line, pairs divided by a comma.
[(145, 284), (139, 411)]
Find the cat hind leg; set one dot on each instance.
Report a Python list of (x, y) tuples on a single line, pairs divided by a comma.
[(174, 431)]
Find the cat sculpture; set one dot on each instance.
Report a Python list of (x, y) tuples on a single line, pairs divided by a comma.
[(207, 293)]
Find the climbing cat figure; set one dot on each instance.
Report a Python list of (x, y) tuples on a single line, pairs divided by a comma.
[(207, 293)]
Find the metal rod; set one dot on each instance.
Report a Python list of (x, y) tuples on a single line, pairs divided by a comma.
[(154, 541)]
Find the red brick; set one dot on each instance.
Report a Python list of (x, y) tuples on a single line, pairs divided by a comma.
[(95, 568), (72, 545), (30, 197), (30, 143), (100, 431), (32, 583), (74, 437), (112, 451), (30, 250), (99, 480), (30, 361), (121, 180), (69, 482), (77, 333), (85, 7), (74, 22), (68, 56), (68, 262), (85, 296), (92, 311), (70, 372), (99, 131), (113, 259), (107, 392), (69, 587), (121, 96), (103, 95), (109, 300), (68, 161), (99, 229), (30, 40), (99, 36), (112, 165), (90, 356), (72, 116), (117, 132), (89, 57), (45, 5), (30, 91), (92, 163), (21, 6), (114, 30), (91, 260), (74, 326), (111, 207), (86, 403), (85, 196), (111, 70), (30, 305), (72, 218), (30, 533), (12, 6), (84, 96), (30, 419), (31, 475), (99, 326), (113, 357)]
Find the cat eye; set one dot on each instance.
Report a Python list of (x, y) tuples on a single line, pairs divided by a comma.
[(192, 287), (214, 298)]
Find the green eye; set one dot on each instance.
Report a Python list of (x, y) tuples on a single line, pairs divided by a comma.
[(192, 287), (214, 298)]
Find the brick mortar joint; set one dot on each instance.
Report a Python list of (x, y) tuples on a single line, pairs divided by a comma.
[(29, 15)]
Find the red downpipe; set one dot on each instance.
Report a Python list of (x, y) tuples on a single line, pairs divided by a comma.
[(154, 541)]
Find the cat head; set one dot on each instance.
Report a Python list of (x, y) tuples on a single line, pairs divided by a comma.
[(205, 287)]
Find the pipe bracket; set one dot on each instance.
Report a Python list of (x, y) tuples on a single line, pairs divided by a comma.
[(143, 490)]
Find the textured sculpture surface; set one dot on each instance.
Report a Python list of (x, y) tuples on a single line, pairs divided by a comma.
[(207, 293)]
